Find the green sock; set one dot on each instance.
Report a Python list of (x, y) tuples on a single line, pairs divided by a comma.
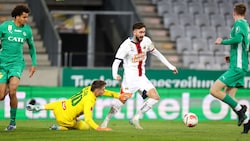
[(13, 116), (227, 99)]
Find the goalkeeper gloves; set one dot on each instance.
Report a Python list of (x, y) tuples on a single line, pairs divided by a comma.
[(125, 96), (103, 129)]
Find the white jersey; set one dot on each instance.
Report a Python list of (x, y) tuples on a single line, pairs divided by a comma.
[(134, 56)]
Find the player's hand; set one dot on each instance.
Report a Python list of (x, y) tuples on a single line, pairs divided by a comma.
[(103, 129), (227, 59), (125, 96), (175, 71), (32, 71), (218, 41), (118, 77)]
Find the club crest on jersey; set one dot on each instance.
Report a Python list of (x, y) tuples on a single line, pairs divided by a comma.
[(10, 28), (24, 34)]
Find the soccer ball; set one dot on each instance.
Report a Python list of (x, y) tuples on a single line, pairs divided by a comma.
[(190, 119)]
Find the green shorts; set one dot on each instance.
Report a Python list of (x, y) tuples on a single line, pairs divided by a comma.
[(233, 77), (9, 70)]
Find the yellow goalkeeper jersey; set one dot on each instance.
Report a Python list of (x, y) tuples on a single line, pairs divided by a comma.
[(83, 103)]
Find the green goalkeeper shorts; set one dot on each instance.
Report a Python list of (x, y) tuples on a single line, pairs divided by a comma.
[(233, 77)]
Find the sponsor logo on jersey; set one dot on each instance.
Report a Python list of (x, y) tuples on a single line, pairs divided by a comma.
[(138, 57), (17, 30), (16, 39)]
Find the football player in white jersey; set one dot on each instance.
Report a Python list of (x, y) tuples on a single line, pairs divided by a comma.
[(133, 53)]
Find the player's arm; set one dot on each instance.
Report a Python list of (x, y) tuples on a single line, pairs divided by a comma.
[(32, 51), (236, 39), (121, 53), (122, 97), (115, 67), (156, 53), (88, 117)]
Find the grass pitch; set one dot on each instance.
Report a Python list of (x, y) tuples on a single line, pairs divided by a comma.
[(37, 130)]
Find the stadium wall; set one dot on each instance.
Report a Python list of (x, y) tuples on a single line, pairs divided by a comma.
[(174, 103)]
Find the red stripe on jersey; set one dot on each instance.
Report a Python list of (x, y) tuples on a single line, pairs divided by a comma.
[(139, 50), (152, 50)]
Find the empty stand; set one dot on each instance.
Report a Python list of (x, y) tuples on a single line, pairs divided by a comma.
[(170, 19), (183, 45), (176, 31), (193, 32)]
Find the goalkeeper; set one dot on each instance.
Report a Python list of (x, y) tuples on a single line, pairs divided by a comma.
[(67, 111)]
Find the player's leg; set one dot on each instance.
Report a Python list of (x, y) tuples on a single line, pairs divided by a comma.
[(81, 125), (3, 93), (153, 98), (3, 84), (13, 85), (115, 107), (246, 122), (234, 79), (50, 106), (59, 114)]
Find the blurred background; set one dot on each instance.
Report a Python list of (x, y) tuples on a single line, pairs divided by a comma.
[(76, 42)]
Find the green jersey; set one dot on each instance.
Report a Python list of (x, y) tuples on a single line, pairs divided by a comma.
[(239, 42), (13, 39)]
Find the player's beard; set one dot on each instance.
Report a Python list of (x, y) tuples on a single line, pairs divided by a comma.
[(139, 38)]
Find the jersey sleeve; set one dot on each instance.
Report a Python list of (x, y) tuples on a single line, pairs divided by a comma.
[(238, 35), (88, 107), (151, 45), (122, 51), (32, 49), (111, 94)]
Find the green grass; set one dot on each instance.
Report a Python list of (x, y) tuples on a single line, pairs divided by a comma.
[(37, 130)]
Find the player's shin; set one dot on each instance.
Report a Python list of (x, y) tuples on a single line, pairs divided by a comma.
[(114, 109), (147, 105)]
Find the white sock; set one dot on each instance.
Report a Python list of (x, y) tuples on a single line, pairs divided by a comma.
[(238, 107), (147, 105), (114, 109)]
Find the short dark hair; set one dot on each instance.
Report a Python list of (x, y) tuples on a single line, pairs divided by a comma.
[(138, 25), (19, 9), (240, 9), (97, 84)]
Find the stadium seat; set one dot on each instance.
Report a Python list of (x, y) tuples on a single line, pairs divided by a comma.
[(223, 32), (186, 19), (208, 32), (180, 8), (200, 44), (206, 58), (193, 32), (229, 20), (202, 19), (210, 9), (195, 8), (218, 20), (170, 19), (176, 31), (190, 60), (164, 7), (225, 9), (183, 45)]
